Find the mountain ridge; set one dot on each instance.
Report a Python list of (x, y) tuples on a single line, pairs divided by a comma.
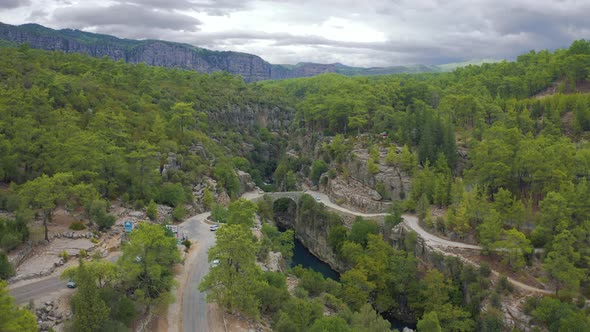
[(173, 54)]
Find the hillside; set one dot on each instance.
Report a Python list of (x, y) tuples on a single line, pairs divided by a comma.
[(473, 154), (169, 54)]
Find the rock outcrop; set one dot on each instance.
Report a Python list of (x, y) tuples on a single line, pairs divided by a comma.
[(178, 55), (253, 116), (151, 52), (358, 189), (49, 317)]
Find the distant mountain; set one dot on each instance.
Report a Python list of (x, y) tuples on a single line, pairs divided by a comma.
[(171, 54)]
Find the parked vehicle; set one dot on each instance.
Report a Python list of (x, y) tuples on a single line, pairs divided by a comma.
[(214, 228), (71, 284)]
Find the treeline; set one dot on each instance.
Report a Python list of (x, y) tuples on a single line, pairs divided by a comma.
[(76, 131)]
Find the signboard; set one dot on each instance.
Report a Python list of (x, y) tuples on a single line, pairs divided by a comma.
[(173, 228), (128, 226)]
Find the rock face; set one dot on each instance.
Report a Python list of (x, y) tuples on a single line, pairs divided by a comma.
[(313, 234), (152, 52), (305, 69), (251, 116), (169, 54), (358, 189)]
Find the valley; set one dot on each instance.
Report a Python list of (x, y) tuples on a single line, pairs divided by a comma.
[(453, 201)]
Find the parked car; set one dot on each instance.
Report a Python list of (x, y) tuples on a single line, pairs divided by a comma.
[(318, 198), (214, 262), (71, 284), (213, 228)]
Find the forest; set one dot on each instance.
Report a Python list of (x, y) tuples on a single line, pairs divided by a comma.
[(503, 149)]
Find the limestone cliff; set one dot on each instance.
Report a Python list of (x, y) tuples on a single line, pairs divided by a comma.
[(358, 187), (169, 54), (152, 52)]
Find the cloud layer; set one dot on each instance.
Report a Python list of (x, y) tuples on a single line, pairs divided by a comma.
[(363, 33)]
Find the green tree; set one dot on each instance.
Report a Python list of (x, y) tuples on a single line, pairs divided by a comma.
[(152, 210), (6, 269), (219, 213), (330, 324), (208, 198), (356, 288), (368, 320), (97, 214), (242, 212), (361, 229), (12, 318), (318, 167), (515, 246), (147, 262), (560, 263), (90, 311), (429, 323), (237, 279), (44, 193)]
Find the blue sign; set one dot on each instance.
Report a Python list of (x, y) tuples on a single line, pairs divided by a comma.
[(128, 226)]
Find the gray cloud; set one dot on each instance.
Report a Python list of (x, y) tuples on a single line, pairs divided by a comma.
[(290, 31), (129, 16), (11, 4), (211, 7)]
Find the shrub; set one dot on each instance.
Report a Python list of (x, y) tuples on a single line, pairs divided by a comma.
[(82, 253), (187, 243), (64, 255), (97, 213), (9, 241), (12, 233), (6, 269), (152, 210), (504, 286), (179, 213), (172, 194), (77, 226)]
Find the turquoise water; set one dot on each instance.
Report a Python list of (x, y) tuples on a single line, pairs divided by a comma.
[(302, 256)]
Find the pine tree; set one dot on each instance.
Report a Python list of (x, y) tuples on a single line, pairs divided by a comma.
[(90, 311)]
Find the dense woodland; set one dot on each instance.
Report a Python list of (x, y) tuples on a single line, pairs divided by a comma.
[(502, 148)]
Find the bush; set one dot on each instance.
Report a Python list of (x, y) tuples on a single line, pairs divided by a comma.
[(6, 269), (152, 210), (64, 255), (97, 213), (485, 270), (187, 243), (179, 213), (77, 226), (504, 286), (82, 253), (172, 194), (9, 241), (12, 233)]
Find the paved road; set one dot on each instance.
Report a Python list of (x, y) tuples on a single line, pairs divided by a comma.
[(46, 286), (24, 294), (195, 309)]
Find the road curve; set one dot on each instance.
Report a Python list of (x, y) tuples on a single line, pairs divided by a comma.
[(194, 305), (439, 243)]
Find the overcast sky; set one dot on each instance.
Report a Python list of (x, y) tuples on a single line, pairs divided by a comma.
[(353, 32)]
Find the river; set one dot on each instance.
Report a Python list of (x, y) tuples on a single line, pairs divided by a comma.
[(303, 257)]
